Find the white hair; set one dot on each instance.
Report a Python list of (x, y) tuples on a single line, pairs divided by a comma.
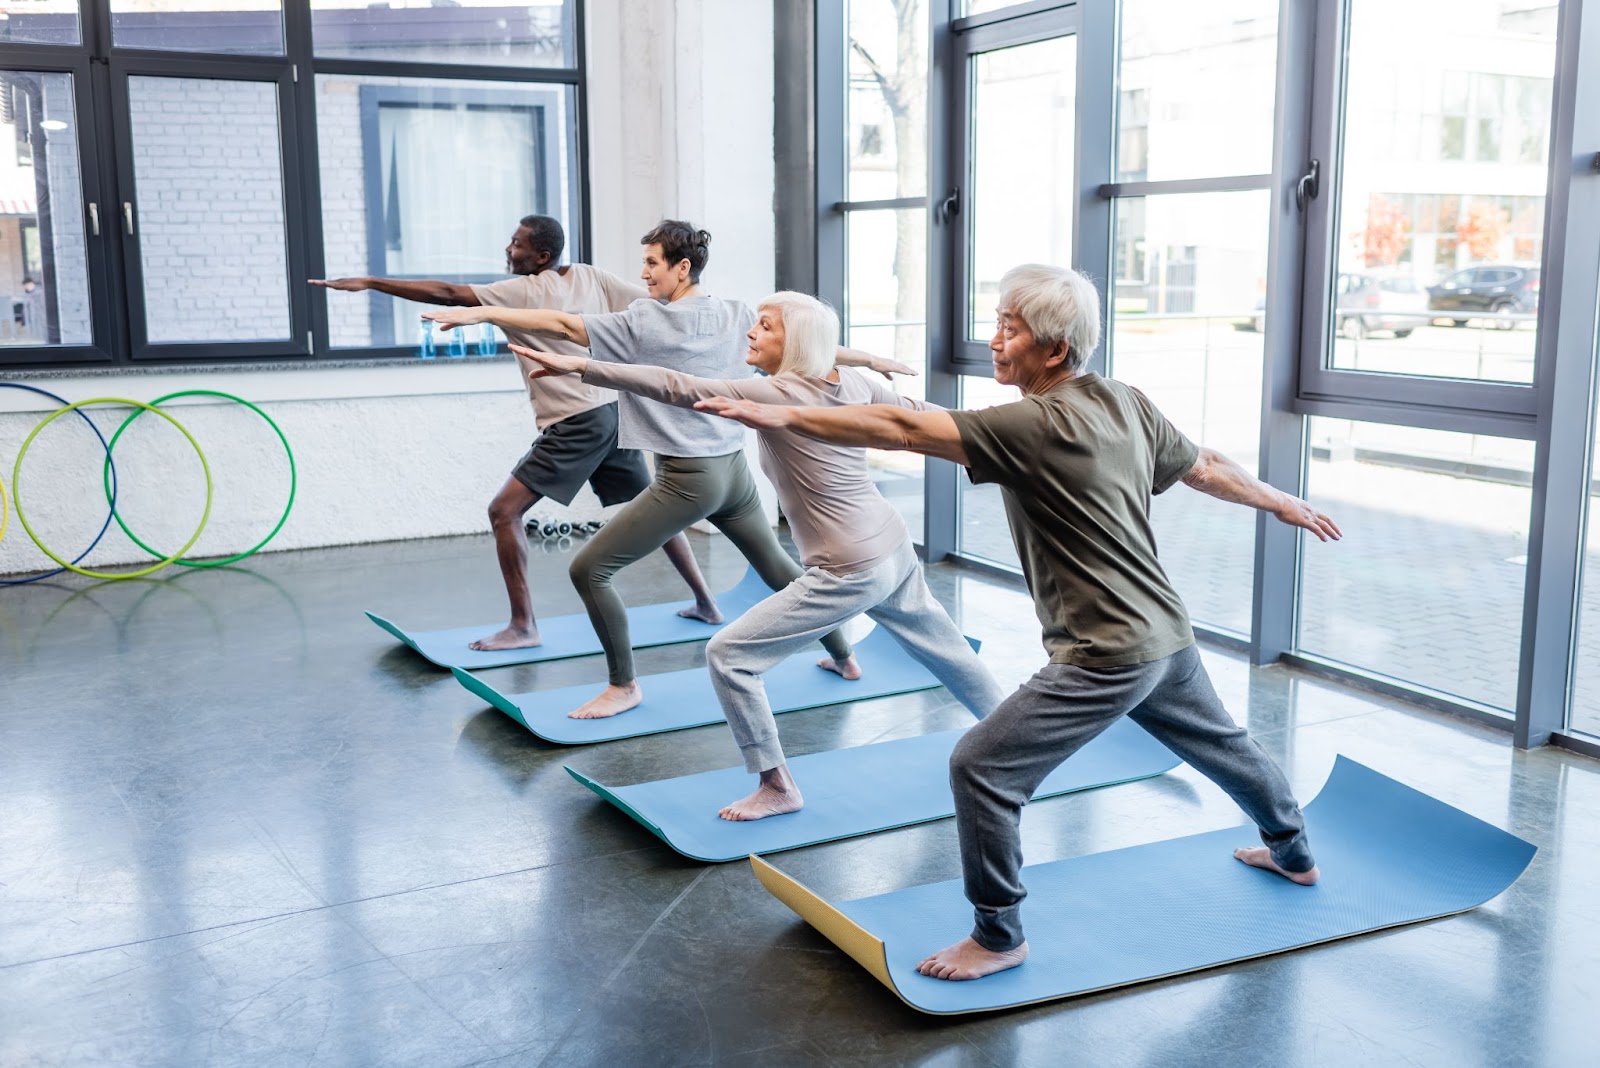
[(810, 332), (1057, 304)]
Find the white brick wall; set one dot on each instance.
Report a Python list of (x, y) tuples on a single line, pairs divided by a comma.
[(210, 214)]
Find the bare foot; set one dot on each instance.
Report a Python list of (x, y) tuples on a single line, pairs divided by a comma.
[(968, 960), (510, 638), (704, 611), (608, 702), (846, 668), (776, 795), (1261, 857)]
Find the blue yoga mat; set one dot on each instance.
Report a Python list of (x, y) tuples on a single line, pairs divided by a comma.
[(1389, 855), (850, 792), (568, 636), (679, 699)]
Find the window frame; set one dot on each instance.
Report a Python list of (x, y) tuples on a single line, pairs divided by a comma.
[(100, 71)]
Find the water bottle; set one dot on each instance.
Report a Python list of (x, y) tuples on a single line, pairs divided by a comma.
[(425, 349), (458, 343), (487, 345)]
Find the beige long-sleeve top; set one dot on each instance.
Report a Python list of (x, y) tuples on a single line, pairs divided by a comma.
[(839, 519)]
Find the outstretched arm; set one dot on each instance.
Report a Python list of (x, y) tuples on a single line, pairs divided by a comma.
[(846, 357), (423, 292), (533, 320), (872, 426), (657, 383), (1218, 476)]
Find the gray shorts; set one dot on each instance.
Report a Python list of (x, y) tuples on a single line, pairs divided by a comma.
[(583, 448)]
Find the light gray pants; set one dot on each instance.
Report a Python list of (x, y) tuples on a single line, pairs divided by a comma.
[(893, 593), (1000, 762)]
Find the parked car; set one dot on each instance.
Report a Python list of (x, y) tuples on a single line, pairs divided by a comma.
[(1500, 289), (1365, 301)]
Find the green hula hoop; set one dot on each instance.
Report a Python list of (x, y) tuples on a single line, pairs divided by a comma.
[(257, 547), (16, 489)]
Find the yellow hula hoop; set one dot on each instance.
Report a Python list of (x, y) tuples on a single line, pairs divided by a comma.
[(5, 510), (16, 489)]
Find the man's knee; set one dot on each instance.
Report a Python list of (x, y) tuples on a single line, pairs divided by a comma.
[(968, 760), (504, 514)]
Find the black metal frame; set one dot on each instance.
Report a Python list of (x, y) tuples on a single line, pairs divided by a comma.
[(100, 76)]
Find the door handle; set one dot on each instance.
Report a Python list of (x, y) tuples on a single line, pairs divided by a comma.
[(94, 218), (127, 216), (949, 207), (1309, 185)]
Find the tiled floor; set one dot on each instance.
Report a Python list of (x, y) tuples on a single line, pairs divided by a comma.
[(238, 825)]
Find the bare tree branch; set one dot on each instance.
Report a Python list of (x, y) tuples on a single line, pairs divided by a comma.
[(892, 95)]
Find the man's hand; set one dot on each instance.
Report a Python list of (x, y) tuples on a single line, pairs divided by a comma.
[(347, 285), (450, 318), (551, 363), (1297, 513), (751, 414)]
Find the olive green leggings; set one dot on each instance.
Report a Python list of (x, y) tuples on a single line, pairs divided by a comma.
[(686, 490)]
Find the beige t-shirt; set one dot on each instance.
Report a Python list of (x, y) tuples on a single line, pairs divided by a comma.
[(581, 290), (840, 521)]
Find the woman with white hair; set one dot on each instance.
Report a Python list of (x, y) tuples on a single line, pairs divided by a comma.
[(854, 545)]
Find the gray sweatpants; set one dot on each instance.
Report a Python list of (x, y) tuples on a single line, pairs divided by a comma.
[(684, 491), (1000, 762), (892, 592)]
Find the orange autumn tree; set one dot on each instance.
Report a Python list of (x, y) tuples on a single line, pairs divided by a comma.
[(1387, 234), (1481, 228)]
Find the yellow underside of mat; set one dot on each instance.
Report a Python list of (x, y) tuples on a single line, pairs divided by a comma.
[(862, 946)]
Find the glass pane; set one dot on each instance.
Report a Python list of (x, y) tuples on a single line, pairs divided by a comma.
[(209, 220), (392, 150), (1427, 584), (235, 27), (1196, 84), (887, 106), (39, 22), (1584, 714), (1445, 146), (1185, 327), (1023, 122), (44, 269), (884, 314), (498, 33), (983, 531)]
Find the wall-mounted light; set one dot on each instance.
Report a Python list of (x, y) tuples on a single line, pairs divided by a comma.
[(52, 124)]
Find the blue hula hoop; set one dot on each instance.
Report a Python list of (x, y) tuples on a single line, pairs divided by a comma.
[(111, 511)]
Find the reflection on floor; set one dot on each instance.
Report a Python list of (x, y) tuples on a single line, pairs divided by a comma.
[(238, 825)]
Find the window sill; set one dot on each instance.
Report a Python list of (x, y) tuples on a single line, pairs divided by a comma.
[(279, 380)]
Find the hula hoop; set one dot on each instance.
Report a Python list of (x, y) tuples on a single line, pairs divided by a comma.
[(16, 490), (284, 518), (5, 510), (110, 512)]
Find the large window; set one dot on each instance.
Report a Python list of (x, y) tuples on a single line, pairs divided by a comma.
[(872, 188), (176, 232), (1186, 302)]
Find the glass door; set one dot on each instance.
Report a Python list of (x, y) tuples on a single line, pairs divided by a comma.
[(1016, 102)]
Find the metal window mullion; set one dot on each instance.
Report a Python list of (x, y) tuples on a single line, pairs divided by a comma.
[(1281, 456), (1225, 183), (1567, 344), (941, 492), (832, 132), (303, 101), (1094, 153), (457, 72)]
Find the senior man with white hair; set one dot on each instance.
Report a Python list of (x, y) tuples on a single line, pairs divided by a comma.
[(1078, 459)]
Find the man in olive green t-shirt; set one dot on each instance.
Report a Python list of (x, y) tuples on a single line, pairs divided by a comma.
[(1077, 459)]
